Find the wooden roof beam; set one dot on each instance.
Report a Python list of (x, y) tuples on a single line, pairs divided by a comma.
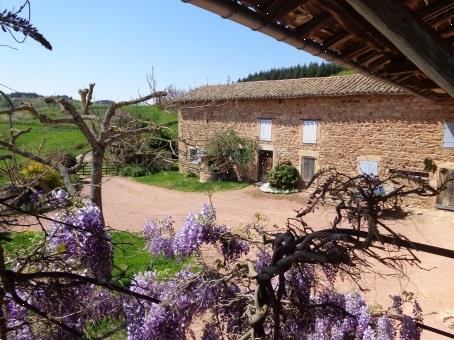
[(336, 39), (418, 42), (434, 10), (353, 23), (314, 25), (281, 8)]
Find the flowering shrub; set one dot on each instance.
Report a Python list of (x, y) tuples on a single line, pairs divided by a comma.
[(81, 238), (41, 175), (311, 312), (78, 243), (198, 229)]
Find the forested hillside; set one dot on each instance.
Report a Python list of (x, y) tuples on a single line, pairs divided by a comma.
[(294, 72)]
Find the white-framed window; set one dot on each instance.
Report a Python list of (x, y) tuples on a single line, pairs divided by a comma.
[(309, 131), (368, 167), (194, 155), (448, 141), (265, 129)]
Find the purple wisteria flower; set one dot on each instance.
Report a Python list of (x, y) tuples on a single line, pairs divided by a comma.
[(198, 229), (16, 319), (397, 304), (369, 334), (61, 196), (81, 237), (385, 328), (263, 259), (190, 237), (159, 236), (408, 329), (233, 248)]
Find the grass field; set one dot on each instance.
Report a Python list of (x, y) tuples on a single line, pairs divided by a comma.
[(68, 138), (177, 181), (47, 139)]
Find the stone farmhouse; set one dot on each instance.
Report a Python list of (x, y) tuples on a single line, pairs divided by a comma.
[(353, 123)]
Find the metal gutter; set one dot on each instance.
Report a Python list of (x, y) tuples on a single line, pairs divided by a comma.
[(228, 9)]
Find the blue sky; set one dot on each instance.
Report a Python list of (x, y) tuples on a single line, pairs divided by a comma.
[(116, 43)]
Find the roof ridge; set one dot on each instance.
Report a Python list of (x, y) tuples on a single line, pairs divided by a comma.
[(299, 87), (355, 75)]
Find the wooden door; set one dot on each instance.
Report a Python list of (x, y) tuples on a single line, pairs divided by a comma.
[(307, 169), (446, 198), (265, 164)]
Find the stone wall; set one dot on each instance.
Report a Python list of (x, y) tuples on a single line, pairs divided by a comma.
[(398, 131)]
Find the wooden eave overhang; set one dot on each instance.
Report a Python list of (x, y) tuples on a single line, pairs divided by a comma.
[(336, 31)]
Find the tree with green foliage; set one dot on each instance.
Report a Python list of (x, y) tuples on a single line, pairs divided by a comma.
[(299, 71), (227, 153)]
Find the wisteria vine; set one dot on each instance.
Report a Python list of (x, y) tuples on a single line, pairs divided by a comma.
[(210, 302)]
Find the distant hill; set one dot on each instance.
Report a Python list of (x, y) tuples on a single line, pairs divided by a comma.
[(19, 95), (104, 102), (33, 95), (295, 72)]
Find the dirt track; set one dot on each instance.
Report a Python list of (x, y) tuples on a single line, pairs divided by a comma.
[(128, 204)]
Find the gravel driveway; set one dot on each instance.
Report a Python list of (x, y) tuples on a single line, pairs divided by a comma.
[(128, 204)]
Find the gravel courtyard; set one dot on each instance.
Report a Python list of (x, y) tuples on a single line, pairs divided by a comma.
[(128, 204)]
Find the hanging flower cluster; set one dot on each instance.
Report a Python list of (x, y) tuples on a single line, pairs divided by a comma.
[(198, 229)]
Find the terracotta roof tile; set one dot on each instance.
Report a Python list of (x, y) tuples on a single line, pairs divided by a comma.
[(292, 88)]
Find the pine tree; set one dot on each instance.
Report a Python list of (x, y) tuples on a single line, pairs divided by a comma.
[(312, 69)]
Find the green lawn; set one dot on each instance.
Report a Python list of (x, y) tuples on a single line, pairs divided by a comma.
[(177, 181), (153, 113), (130, 257)]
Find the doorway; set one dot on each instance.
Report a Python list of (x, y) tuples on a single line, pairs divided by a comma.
[(445, 200), (265, 164)]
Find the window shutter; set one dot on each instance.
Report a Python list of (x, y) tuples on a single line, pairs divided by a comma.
[(308, 169), (265, 129), (449, 135), (310, 131), (368, 168)]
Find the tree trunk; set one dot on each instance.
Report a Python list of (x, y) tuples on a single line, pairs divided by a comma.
[(96, 178), (237, 171), (67, 179)]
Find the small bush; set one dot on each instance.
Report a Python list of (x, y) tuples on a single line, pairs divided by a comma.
[(41, 176), (189, 174), (133, 171), (283, 176)]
